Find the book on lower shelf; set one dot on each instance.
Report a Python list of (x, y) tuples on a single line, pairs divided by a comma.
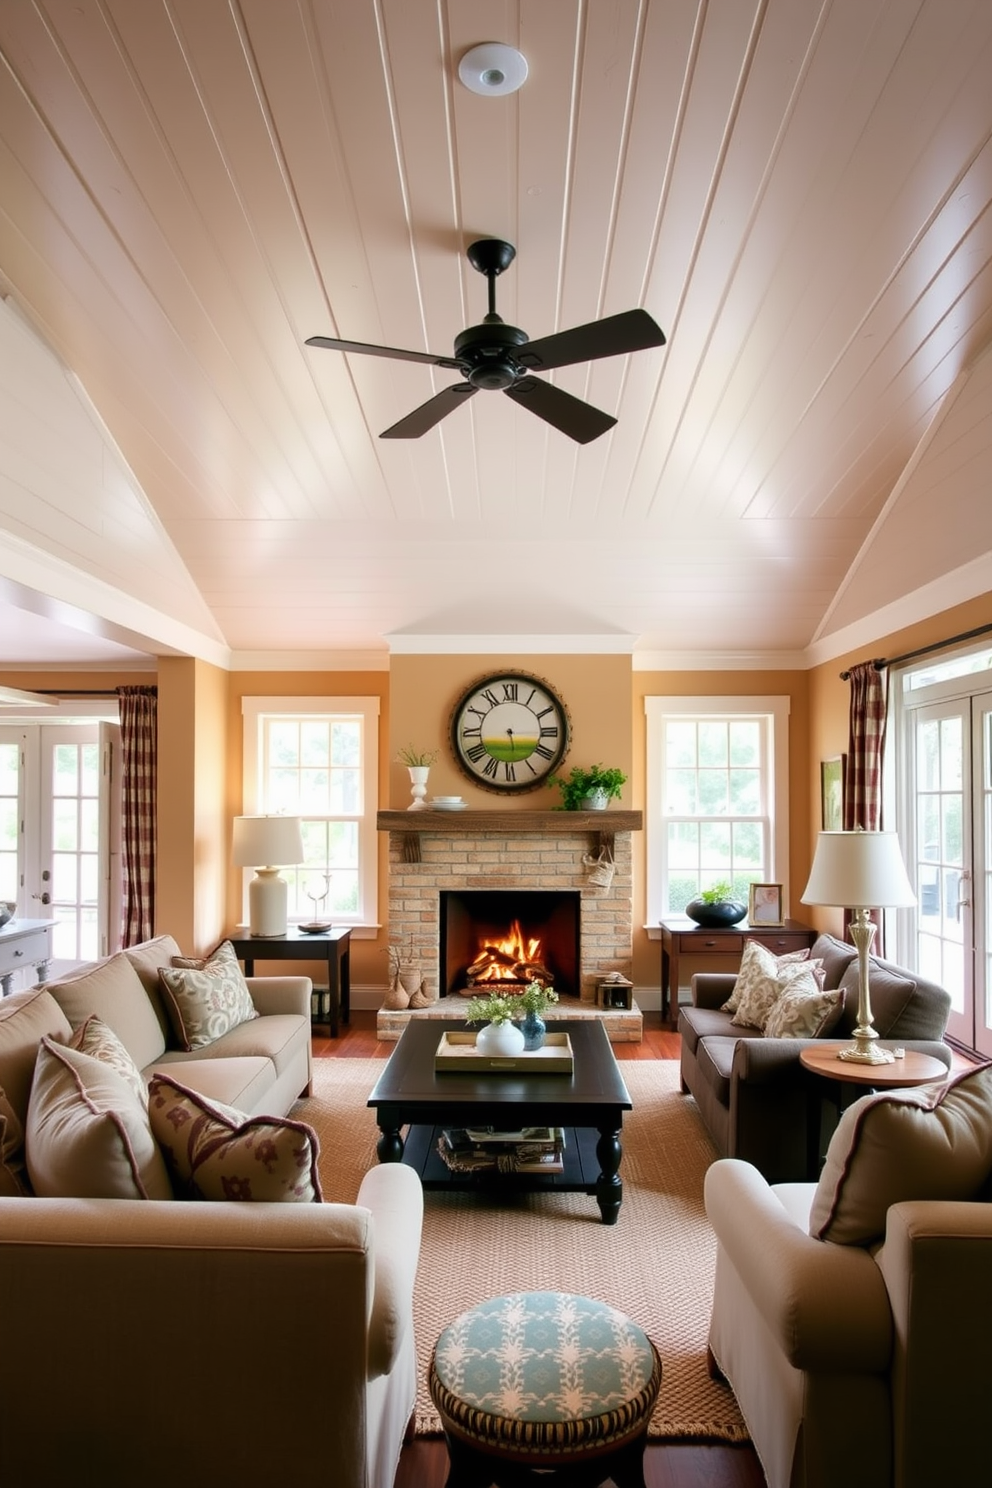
[(532, 1149)]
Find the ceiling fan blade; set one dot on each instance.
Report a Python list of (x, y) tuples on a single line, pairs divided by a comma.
[(430, 413), (384, 351), (580, 421), (631, 330)]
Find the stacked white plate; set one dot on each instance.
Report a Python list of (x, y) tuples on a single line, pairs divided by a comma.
[(448, 803)]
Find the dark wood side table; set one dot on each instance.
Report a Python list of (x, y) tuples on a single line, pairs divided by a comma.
[(332, 946), (680, 936), (911, 1068)]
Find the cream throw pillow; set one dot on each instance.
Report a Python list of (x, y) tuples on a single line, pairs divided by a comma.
[(214, 1152), (804, 1010), (206, 997), (756, 960), (765, 978), (94, 1037), (931, 1142), (87, 1135)]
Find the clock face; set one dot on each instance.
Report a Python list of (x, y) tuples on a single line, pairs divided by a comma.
[(509, 731)]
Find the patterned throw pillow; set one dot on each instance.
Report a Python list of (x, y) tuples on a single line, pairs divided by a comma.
[(804, 1010), (764, 982), (206, 997), (214, 1152), (755, 962), (87, 1135), (95, 1038), (932, 1142)]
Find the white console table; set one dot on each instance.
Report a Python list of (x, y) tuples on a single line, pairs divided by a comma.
[(24, 943)]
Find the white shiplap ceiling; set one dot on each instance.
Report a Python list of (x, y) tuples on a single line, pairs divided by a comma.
[(798, 191)]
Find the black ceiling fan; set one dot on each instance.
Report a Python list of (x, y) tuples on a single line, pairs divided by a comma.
[(498, 356)]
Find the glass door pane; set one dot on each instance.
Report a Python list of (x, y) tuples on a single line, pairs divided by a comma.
[(942, 856), (982, 886), (70, 839)]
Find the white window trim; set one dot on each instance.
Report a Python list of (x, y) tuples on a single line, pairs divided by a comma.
[(253, 709), (657, 709)]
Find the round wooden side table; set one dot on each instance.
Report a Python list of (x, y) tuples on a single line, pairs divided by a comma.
[(910, 1068)]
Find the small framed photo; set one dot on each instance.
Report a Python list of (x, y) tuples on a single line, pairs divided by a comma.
[(764, 905), (832, 793)]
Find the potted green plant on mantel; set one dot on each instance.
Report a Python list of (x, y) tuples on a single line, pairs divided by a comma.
[(715, 907), (589, 790)]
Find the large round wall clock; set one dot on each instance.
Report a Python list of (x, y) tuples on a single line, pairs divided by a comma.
[(509, 731)]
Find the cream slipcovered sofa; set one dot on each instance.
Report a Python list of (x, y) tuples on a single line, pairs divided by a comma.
[(852, 1317), (230, 1344), (746, 1079)]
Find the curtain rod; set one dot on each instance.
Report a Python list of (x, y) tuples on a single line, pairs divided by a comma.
[(966, 635), (68, 692)]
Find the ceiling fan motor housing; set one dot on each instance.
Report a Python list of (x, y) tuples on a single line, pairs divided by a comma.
[(485, 353)]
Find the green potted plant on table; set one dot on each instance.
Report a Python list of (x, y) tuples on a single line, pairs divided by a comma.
[(499, 1034), (716, 906), (591, 789)]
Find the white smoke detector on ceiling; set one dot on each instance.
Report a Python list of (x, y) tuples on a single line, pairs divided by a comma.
[(493, 68)]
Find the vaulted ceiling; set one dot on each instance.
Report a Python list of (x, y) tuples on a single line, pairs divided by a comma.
[(798, 191)]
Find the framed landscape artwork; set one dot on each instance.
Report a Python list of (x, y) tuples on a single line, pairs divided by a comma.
[(832, 793)]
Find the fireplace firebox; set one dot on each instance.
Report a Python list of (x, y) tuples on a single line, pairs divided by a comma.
[(504, 938)]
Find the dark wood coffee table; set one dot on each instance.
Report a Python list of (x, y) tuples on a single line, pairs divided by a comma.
[(589, 1103)]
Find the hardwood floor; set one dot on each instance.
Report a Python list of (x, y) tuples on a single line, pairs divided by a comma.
[(424, 1463)]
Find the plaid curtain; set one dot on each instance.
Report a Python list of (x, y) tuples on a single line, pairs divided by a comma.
[(139, 746), (866, 743)]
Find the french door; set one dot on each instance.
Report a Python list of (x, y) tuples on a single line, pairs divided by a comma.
[(60, 832), (948, 828)]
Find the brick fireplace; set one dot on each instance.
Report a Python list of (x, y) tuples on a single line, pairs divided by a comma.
[(510, 852)]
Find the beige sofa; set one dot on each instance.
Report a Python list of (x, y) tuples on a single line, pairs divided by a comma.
[(862, 1361), (230, 1344)]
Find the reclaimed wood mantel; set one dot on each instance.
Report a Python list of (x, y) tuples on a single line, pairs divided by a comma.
[(470, 822)]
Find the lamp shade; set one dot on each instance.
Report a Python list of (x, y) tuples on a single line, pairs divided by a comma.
[(269, 841), (858, 870)]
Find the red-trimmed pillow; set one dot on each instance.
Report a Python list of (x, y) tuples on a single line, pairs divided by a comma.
[(932, 1142), (214, 1152)]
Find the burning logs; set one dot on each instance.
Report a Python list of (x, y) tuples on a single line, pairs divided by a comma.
[(512, 959)]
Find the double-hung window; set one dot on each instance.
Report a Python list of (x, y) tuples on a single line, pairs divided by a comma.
[(317, 758), (717, 797)]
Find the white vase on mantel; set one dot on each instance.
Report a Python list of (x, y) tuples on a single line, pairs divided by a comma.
[(502, 1039), (418, 786)]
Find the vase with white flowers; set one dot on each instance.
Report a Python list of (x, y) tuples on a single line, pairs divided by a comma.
[(499, 1034)]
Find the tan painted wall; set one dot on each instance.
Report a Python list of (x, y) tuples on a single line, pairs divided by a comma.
[(425, 689)]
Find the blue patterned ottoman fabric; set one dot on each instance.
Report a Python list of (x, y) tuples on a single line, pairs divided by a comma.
[(544, 1372)]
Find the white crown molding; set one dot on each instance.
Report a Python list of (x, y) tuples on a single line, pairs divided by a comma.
[(511, 645)]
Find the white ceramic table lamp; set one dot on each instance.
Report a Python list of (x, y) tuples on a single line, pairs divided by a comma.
[(860, 871), (267, 843)]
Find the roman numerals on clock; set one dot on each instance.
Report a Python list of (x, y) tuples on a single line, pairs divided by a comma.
[(509, 731)]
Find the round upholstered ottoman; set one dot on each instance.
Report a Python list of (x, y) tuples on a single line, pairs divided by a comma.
[(549, 1381)]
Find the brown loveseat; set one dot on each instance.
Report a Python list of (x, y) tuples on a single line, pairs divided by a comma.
[(752, 1091)]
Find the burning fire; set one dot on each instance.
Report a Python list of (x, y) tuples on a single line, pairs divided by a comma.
[(515, 958)]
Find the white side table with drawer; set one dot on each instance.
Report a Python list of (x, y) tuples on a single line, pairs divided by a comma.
[(24, 943)]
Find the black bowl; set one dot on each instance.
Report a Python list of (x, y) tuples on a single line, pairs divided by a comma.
[(715, 916)]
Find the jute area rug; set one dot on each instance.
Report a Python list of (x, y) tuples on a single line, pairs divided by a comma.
[(656, 1264)]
